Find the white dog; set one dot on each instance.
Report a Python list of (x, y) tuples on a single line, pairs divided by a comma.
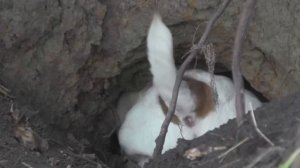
[(196, 111)]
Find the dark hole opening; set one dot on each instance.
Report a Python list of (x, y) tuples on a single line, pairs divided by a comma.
[(141, 77)]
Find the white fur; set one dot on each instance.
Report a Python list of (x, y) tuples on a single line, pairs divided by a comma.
[(142, 125), (143, 121), (225, 109)]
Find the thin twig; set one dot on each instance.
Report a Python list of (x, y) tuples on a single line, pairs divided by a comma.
[(5, 91), (110, 132), (186, 54), (194, 36), (248, 10), (26, 165), (256, 127), (164, 128), (263, 155), (233, 148), (4, 88)]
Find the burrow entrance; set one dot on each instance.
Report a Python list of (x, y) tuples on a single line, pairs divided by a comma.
[(134, 78)]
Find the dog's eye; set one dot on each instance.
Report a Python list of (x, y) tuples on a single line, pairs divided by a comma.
[(189, 121)]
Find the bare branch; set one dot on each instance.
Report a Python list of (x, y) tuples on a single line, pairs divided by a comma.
[(233, 148), (194, 50), (256, 127), (248, 10)]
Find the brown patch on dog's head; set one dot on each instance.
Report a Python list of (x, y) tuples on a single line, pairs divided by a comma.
[(204, 96), (204, 99)]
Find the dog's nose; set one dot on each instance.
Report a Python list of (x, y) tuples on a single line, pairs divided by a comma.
[(189, 121)]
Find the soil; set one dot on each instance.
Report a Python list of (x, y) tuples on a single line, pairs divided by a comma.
[(278, 120), (64, 150)]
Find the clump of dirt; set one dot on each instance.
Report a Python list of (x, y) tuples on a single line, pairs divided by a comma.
[(278, 120)]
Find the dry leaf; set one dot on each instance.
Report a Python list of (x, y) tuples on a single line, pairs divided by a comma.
[(30, 139), (201, 151), (25, 134), (194, 153)]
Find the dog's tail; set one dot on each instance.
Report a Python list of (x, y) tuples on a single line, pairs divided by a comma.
[(160, 56)]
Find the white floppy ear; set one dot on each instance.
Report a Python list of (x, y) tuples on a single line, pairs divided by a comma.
[(160, 56)]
